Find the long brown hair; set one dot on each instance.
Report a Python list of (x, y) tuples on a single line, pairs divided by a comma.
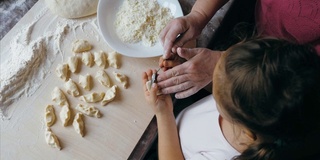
[(275, 92)]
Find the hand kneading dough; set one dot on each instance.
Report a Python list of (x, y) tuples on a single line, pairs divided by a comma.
[(50, 116), (59, 97), (52, 139), (103, 78), (73, 8), (81, 45), (65, 115), (88, 110), (78, 124), (110, 95)]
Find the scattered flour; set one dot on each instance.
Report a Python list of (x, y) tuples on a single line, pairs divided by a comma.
[(29, 63), (30, 59), (141, 20)]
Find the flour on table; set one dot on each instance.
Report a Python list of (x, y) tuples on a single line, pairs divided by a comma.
[(141, 20), (22, 73)]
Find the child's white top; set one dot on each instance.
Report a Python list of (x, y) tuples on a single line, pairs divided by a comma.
[(200, 133)]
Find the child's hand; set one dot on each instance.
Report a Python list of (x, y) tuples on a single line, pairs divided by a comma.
[(161, 104)]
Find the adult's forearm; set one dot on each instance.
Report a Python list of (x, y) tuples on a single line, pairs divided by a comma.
[(168, 139), (206, 9)]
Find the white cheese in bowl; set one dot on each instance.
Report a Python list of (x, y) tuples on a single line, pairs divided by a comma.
[(142, 21)]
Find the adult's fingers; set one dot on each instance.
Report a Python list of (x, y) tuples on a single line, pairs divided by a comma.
[(170, 34), (173, 72), (187, 53), (186, 93), (177, 88)]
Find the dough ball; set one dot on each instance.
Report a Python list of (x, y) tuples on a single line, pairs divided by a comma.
[(73, 8)]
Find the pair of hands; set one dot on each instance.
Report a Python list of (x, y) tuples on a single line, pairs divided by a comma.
[(185, 70), (182, 78)]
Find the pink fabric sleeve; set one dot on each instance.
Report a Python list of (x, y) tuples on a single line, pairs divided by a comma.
[(295, 20)]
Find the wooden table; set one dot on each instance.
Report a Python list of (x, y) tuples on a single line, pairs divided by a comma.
[(14, 10), (22, 134)]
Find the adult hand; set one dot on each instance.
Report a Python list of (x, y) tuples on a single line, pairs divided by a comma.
[(161, 104), (166, 64), (179, 31), (189, 77)]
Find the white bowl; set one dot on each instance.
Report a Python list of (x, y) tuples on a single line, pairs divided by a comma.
[(107, 10)]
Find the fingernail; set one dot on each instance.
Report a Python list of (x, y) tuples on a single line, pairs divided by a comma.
[(153, 85)]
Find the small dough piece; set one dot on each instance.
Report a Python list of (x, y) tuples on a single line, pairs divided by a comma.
[(50, 116), (110, 95), (85, 82), (78, 124), (113, 59), (123, 79), (62, 71), (148, 85), (88, 110), (87, 59), (103, 78), (51, 139), (73, 63), (100, 59), (92, 97), (81, 45), (59, 97), (72, 88), (65, 115)]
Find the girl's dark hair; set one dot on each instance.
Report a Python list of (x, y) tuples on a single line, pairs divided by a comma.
[(275, 92)]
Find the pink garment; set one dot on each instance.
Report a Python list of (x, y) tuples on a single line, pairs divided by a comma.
[(295, 20)]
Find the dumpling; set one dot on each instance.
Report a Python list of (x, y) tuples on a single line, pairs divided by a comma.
[(50, 116), (85, 82), (123, 79), (81, 45), (72, 88), (78, 124), (73, 63), (88, 110), (59, 97), (100, 59), (51, 139), (87, 59), (92, 97), (103, 78), (62, 71), (110, 95)]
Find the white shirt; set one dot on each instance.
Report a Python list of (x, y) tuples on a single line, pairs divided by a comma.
[(200, 133)]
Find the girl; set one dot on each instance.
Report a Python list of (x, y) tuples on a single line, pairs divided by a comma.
[(265, 105)]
